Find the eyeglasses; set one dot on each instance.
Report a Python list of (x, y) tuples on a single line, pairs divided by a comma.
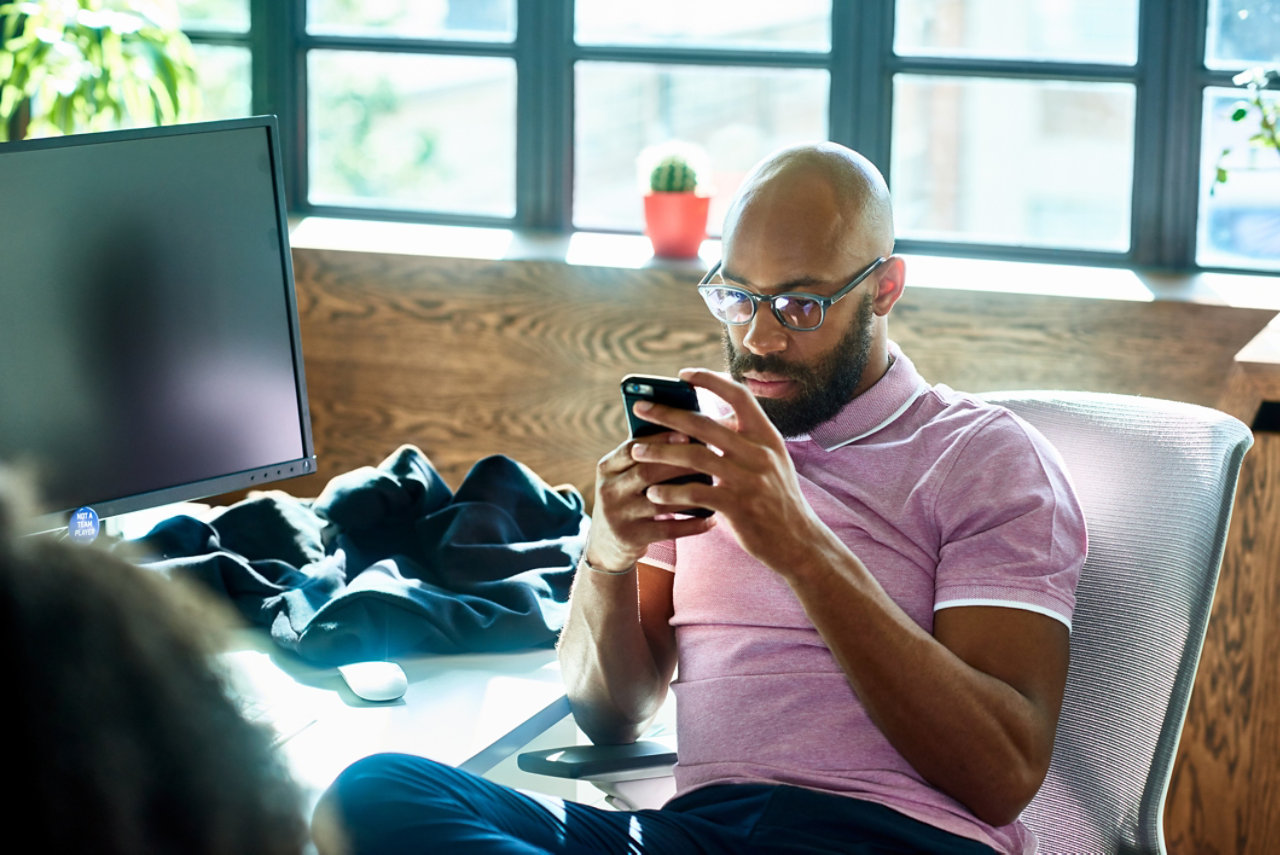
[(795, 310)]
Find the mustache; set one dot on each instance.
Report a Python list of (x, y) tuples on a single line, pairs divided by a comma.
[(741, 361)]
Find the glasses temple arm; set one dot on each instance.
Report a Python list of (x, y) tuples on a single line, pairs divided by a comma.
[(712, 272)]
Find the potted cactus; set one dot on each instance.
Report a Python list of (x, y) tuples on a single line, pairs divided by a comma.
[(675, 213)]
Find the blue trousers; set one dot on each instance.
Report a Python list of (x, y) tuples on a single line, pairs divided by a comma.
[(395, 803)]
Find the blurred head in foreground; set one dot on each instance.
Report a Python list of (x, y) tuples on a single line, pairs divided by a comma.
[(123, 737)]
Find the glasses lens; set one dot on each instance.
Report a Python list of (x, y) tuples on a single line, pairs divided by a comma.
[(799, 313), (730, 305)]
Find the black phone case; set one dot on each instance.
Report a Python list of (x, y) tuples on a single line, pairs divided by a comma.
[(672, 392), (666, 390)]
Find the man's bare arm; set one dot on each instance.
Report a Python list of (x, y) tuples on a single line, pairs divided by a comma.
[(973, 707), (617, 650)]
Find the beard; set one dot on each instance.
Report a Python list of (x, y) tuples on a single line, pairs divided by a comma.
[(822, 389)]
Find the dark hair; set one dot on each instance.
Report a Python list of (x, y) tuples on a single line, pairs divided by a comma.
[(124, 738)]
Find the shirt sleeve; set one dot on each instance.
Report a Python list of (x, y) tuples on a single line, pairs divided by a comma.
[(1011, 528), (662, 555)]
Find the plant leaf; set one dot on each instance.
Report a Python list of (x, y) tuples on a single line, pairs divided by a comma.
[(78, 62)]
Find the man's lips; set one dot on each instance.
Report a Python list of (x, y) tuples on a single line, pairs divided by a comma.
[(767, 386)]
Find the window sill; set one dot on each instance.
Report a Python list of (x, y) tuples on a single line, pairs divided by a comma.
[(593, 249)]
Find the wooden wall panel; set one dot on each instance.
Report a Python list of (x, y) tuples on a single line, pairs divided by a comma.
[(1225, 793), (467, 358), (470, 358), (982, 342)]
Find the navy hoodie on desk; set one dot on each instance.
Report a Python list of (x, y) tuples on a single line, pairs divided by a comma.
[(389, 561)]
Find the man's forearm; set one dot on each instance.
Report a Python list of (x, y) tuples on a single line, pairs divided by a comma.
[(980, 735), (613, 675)]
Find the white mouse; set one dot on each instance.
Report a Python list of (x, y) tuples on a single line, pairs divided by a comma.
[(375, 681)]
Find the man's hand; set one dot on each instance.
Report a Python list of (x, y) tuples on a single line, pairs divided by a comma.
[(625, 519), (754, 485)]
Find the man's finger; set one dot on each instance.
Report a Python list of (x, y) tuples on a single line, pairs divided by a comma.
[(618, 460), (744, 404)]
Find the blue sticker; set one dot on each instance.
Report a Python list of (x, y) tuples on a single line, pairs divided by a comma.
[(84, 525)]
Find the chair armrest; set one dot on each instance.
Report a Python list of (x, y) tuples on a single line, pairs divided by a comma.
[(586, 762)]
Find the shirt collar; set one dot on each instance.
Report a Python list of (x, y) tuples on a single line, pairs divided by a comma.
[(875, 408)]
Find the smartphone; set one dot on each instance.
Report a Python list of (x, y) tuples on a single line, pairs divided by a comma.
[(673, 393)]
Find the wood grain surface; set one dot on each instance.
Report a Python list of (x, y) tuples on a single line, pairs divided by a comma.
[(467, 358), (1225, 793)]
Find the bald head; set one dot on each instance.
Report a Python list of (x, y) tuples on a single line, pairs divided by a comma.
[(810, 218), (814, 197)]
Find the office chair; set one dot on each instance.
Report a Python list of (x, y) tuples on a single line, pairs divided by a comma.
[(1157, 482)]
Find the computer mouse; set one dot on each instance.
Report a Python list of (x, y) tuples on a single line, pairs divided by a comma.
[(375, 680)]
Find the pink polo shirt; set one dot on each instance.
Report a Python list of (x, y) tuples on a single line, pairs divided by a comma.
[(949, 502)]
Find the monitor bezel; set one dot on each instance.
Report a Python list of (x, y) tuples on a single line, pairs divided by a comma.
[(54, 518)]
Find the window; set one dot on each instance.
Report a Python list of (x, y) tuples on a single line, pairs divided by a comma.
[(736, 79), (1013, 122), (399, 118), (409, 131), (1074, 130), (734, 114), (1239, 219), (219, 31), (1045, 163)]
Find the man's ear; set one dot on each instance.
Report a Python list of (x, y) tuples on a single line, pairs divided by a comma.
[(891, 279)]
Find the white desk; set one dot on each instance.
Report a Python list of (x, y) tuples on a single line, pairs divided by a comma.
[(470, 710)]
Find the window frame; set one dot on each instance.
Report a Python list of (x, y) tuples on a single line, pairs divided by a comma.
[(1169, 78)]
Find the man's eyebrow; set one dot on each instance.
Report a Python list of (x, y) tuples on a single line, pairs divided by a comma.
[(803, 283)]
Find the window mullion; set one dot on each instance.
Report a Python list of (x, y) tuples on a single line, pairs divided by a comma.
[(861, 82), (1182, 157), (1167, 135), (544, 114), (1147, 229), (279, 84)]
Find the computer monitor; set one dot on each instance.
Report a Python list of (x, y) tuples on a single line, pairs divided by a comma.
[(149, 345)]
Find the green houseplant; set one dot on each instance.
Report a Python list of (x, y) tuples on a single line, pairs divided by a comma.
[(1255, 80), (88, 65), (675, 212)]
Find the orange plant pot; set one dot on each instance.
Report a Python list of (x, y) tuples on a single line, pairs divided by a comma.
[(676, 223)]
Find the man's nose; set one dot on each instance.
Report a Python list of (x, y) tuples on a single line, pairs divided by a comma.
[(765, 333)]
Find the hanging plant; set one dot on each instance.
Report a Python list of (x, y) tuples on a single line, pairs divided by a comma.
[(1255, 80)]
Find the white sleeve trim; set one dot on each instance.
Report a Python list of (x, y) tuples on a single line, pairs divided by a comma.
[(1007, 604)]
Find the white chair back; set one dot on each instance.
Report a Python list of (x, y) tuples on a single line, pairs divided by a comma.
[(1157, 482)]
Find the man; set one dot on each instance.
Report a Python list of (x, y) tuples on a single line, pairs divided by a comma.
[(871, 629)]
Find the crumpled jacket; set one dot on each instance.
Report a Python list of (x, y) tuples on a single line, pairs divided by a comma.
[(389, 561)]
